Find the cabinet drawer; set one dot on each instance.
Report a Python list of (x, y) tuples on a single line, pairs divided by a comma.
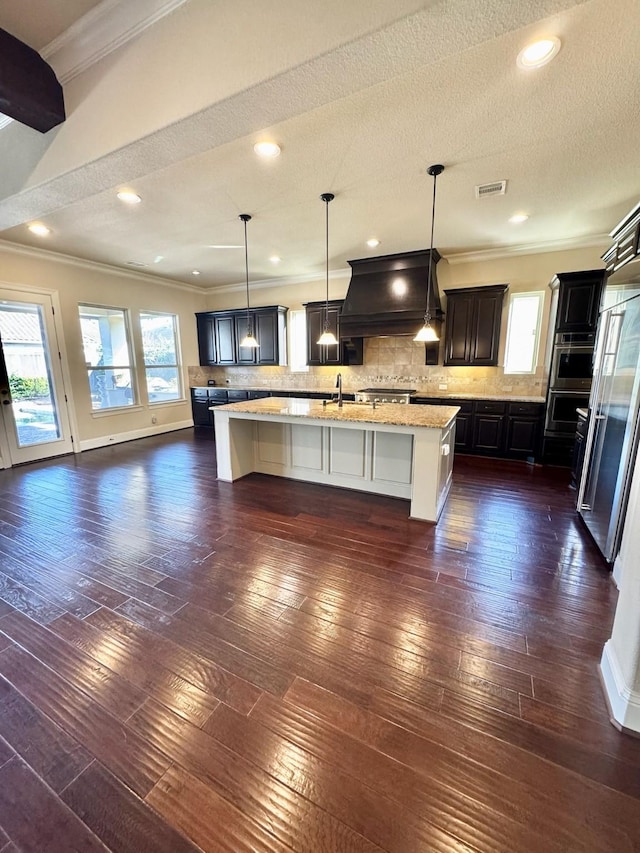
[(490, 407), (258, 395), (218, 395), (530, 409), (237, 396), (466, 406), (200, 392)]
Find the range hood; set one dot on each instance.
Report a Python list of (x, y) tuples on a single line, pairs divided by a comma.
[(387, 295)]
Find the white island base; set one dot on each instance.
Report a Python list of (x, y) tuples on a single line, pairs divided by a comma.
[(356, 447)]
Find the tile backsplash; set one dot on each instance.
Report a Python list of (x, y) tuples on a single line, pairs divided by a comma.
[(395, 362)]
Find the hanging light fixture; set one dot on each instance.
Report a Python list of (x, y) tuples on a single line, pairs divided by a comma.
[(327, 338), (427, 333), (249, 339)]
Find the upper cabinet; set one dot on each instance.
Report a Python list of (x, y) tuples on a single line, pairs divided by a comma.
[(348, 351), (578, 300), (220, 334), (472, 328)]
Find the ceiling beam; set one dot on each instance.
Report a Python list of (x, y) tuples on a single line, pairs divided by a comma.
[(29, 89)]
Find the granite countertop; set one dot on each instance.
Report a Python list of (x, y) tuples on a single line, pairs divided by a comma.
[(436, 395), (392, 414)]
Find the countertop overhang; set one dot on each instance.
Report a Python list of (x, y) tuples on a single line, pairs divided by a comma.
[(389, 414)]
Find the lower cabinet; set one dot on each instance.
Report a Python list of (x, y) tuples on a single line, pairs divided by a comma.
[(495, 427)]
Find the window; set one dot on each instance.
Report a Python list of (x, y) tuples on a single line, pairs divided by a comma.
[(160, 350), (298, 341), (523, 332), (107, 354)]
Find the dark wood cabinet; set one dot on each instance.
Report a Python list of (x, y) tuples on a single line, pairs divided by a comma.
[(220, 333), (578, 300), (472, 327), (348, 351), (225, 331), (495, 427)]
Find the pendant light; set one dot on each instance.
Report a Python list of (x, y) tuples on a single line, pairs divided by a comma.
[(427, 333), (249, 339), (327, 338)]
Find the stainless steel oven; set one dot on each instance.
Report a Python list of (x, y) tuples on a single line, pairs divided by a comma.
[(562, 417), (571, 368)]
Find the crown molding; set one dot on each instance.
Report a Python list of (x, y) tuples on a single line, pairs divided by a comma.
[(98, 266), (105, 28), (283, 281), (598, 241)]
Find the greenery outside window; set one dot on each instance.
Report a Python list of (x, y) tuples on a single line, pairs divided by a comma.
[(523, 332), (160, 351), (107, 355)]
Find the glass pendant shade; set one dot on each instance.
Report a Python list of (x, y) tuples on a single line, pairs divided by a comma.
[(327, 338), (427, 334), (249, 339)]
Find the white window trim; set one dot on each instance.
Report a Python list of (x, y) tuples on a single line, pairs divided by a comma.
[(131, 367), (176, 337), (297, 366), (539, 294)]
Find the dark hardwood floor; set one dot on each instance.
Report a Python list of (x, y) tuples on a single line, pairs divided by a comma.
[(274, 666)]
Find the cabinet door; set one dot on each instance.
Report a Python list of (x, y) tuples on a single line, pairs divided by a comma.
[(206, 339), (487, 433), (201, 414), (464, 425), (522, 436), (266, 331), (225, 334), (458, 329), (245, 355), (578, 306), (485, 338)]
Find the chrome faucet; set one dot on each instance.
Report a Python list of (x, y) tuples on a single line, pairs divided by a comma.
[(339, 387)]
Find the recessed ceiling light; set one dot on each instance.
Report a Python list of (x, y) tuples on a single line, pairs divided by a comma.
[(275, 259), (373, 243), (539, 52), (518, 217), (195, 272), (39, 229), (225, 246), (129, 197), (267, 149), (158, 258)]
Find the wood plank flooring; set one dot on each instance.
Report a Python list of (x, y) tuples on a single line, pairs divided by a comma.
[(273, 666)]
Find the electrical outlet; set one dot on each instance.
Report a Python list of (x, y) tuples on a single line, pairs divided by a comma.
[(154, 420), (442, 386)]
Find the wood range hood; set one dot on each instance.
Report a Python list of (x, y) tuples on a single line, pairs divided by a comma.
[(387, 295)]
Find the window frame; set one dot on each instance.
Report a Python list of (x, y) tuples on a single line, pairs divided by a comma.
[(177, 350), (513, 298), (297, 365), (131, 367)]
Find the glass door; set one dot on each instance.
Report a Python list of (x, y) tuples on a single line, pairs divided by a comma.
[(34, 422)]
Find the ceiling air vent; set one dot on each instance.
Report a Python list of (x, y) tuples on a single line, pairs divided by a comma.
[(494, 188)]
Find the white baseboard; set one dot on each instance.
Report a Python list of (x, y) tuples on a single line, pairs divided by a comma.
[(624, 703), (118, 438)]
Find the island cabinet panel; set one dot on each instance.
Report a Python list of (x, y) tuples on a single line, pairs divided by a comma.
[(307, 447), (472, 328), (392, 455), (273, 443), (348, 452)]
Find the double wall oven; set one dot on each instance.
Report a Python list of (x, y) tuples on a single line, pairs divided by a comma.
[(569, 382)]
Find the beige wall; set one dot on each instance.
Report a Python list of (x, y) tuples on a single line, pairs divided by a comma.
[(75, 283), (398, 360)]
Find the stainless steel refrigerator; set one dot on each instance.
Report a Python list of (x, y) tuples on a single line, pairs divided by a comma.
[(614, 413)]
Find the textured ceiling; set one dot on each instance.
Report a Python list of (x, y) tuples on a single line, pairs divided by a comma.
[(361, 105)]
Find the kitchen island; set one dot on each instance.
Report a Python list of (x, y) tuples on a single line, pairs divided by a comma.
[(397, 450)]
